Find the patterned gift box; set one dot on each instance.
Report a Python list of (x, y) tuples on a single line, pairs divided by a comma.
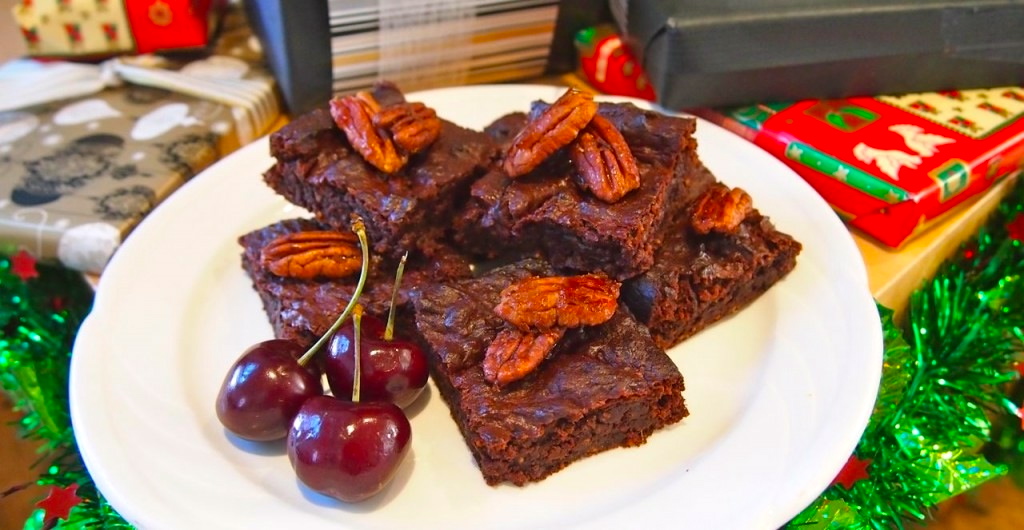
[(78, 173), (104, 27), (891, 165), (75, 177)]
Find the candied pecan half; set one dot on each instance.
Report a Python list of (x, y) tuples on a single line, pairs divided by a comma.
[(413, 126), (354, 116), (604, 163), (564, 301), (312, 254), (721, 210), (372, 105), (553, 129), (513, 353)]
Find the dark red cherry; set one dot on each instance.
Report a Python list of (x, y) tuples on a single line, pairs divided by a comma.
[(348, 450), (393, 370), (264, 390)]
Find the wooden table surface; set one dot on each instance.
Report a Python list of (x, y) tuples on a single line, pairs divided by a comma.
[(16, 459)]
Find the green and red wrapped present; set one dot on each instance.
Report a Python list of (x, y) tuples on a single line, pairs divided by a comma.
[(889, 165)]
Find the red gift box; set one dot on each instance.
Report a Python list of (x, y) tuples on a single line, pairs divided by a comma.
[(172, 24), (91, 28), (889, 165)]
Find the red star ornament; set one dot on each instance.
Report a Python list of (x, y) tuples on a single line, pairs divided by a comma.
[(854, 471), (59, 501), (1015, 229), (23, 265)]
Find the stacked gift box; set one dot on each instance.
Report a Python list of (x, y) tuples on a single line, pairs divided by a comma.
[(709, 53), (317, 48), (426, 44), (87, 149)]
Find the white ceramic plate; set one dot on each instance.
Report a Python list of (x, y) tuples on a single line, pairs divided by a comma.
[(779, 394)]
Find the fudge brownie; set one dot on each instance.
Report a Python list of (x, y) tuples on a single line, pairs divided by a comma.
[(302, 310), (317, 168), (547, 210), (601, 387), (698, 279)]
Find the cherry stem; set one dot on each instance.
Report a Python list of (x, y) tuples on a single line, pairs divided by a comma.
[(357, 369), (360, 229), (389, 329)]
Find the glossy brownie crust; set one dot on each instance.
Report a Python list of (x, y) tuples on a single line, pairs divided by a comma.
[(699, 279), (546, 209), (302, 310), (603, 387), (317, 169)]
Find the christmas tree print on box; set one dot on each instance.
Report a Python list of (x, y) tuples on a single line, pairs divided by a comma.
[(976, 114)]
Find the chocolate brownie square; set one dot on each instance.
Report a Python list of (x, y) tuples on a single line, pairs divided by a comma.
[(547, 210), (317, 168), (698, 279), (302, 310), (602, 387)]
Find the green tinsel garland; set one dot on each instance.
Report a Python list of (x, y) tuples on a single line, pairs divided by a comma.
[(945, 420), (38, 321)]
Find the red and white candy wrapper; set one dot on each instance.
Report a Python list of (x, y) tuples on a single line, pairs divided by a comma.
[(609, 65)]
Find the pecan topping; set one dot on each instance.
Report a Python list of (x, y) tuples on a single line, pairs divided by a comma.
[(604, 163), (565, 301), (413, 126), (372, 105), (721, 210), (312, 254), (354, 116), (515, 353), (553, 129)]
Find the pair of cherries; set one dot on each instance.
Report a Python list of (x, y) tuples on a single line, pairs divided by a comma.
[(349, 450)]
